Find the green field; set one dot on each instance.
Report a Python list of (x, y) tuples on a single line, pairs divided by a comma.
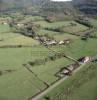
[(20, 80), (19, 83), (66, 24), (82, 85), (81, 48), (16, 84), (93, 22), (4, 28), (9, 38)]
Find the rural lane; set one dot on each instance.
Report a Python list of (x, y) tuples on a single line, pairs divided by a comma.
[(56, 84)]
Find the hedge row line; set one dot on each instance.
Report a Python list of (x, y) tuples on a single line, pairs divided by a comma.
[(45, 60), (14, 46)]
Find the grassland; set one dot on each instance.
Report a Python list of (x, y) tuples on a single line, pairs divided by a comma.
[(16, 39), (9, 38), (4, 28), (20, 83), (82, 85), (93, 22), (82, 48), (66, 24), (47, 72)]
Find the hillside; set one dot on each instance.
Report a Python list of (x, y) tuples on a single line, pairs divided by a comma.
[(44, 7), (87, 6)]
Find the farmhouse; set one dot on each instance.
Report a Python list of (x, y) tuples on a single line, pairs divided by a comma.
[(85, 59), (66, 41), (20, 25), (71, 67), (5, 23), (61, 42), (66, 72), (52, 42), (37, 37)]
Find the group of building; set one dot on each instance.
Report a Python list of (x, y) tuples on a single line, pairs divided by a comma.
[(70, 68), (48, 41)]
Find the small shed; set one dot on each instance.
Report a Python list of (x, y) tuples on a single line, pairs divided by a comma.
[(61, 42), (66, 72), (52, 42), (85, 59)]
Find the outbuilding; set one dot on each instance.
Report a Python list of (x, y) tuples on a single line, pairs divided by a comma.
[(85, 59)]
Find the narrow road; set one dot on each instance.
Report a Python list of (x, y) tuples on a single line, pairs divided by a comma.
[(56, 84)]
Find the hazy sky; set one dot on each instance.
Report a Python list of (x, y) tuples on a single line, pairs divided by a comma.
[(61, 0)]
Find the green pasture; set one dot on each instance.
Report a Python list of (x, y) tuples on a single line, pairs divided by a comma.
[(9, 38), (20, 84), (93, 22), (79, 48), (75, 29), (57, 35), (82, 85), (4, 28), (45, 24), (47, 71), (16, 39), (30, 18)]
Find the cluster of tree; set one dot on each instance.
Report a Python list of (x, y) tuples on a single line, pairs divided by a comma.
[(28, 29), (55, 29)]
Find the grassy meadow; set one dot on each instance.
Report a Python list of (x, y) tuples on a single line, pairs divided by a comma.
[(82, 85), (18, 83)]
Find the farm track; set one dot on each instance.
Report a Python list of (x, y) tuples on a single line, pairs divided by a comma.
[(55, 85)]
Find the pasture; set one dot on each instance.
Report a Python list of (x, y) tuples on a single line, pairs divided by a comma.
[(16, 82), (9, 38), (83, 84), (19, 83)]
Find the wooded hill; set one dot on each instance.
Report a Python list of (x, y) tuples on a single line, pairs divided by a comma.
[(87, 6)]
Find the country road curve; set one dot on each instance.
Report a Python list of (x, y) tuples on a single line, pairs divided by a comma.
[(56, 84)]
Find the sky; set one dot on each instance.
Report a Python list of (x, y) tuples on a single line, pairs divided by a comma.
[(61, 0)]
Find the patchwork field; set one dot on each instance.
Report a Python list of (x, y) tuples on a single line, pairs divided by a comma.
[(19, 80)]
